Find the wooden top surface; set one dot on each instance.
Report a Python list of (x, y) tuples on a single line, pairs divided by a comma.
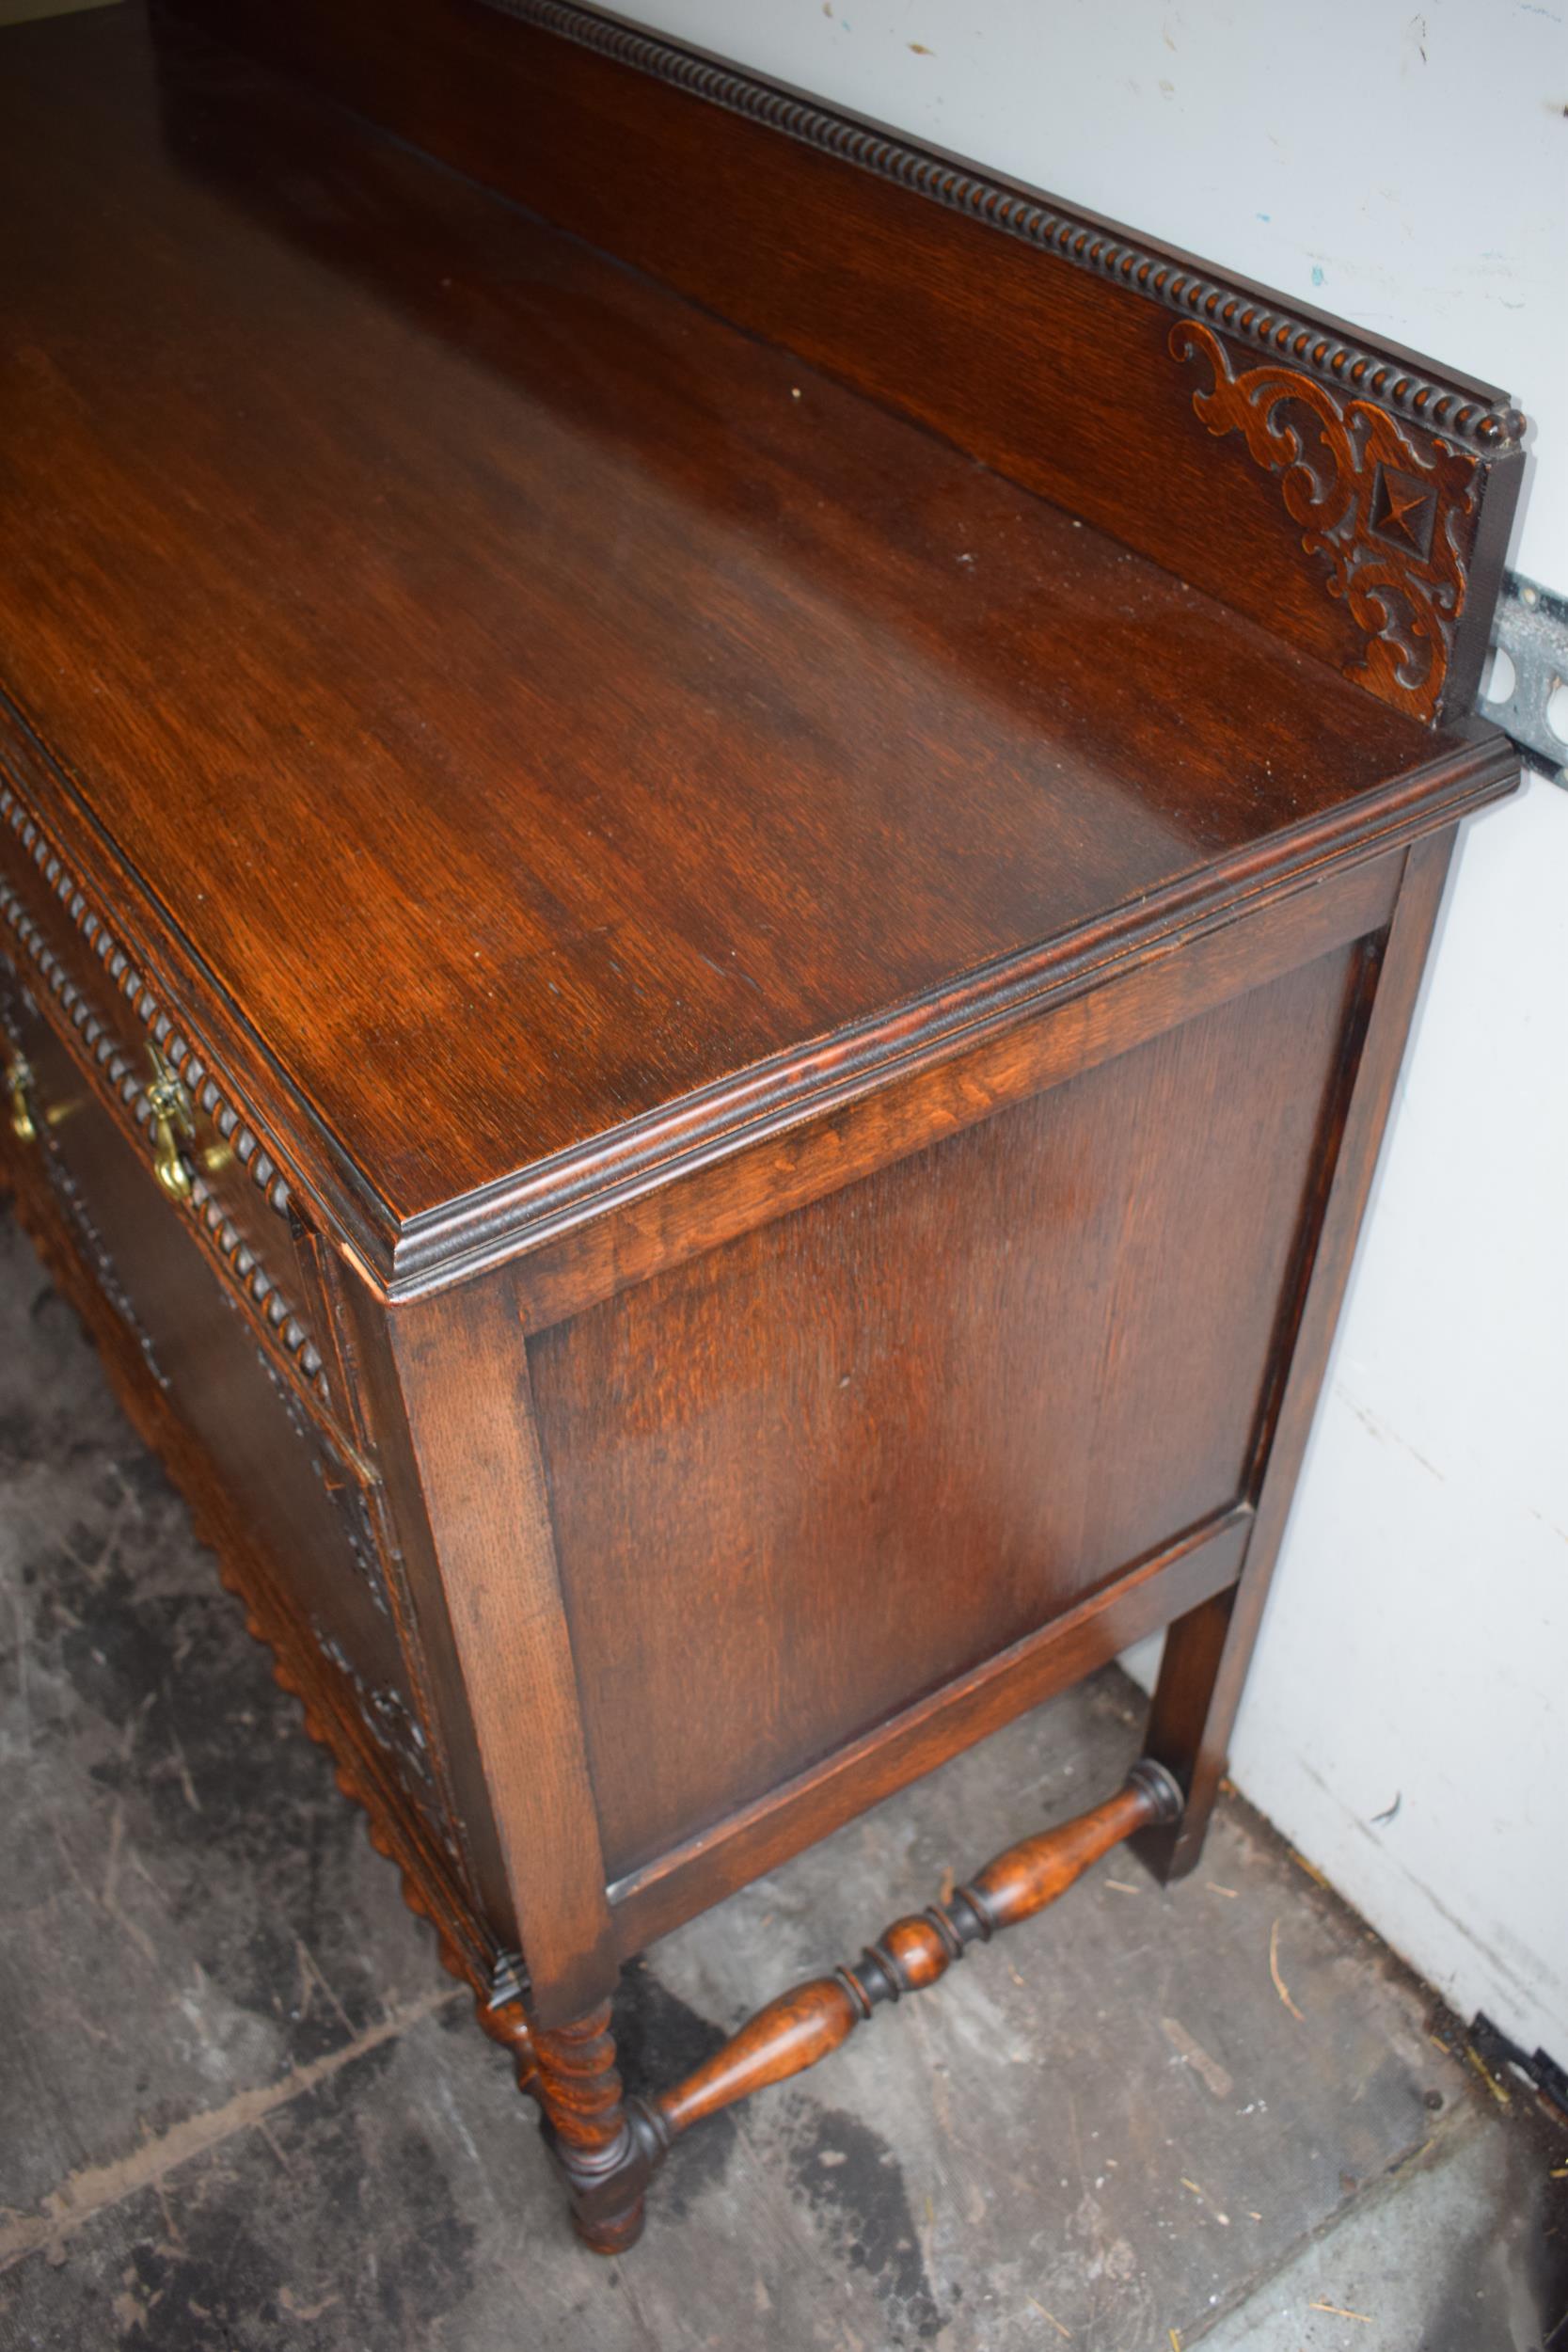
[(530, 701)]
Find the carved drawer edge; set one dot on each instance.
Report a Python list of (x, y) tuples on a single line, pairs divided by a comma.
[(294, 1362), (244, 1268), (245, 1145), (396, 1723)]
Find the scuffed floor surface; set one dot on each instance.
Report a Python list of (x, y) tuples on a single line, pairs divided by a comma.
[(243, 2107)]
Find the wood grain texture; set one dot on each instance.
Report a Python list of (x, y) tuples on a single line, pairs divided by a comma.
[(1392, 513), (1094, 1017), (60, 945), (806, 2025), (608, 2160), (307, 1503), (768, 1048), (863, 251), (812, 2021), (464, 1381), (877, 1441), (756, 1837), (267, 1578), (315, 1559), (588, 2132), (891, 734), (1207, 1650)]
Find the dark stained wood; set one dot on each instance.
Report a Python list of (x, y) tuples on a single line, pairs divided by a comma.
[(234, 1520), (1087, 1020), (802, 2027), (465, 1391), (695, 833), (430, 1640), (753, 1839), (181, 1368), (798, 2030), (1209, 1649), (709, 1073), (588, 2132), (306, 1506), (241, 1214), (958, 1347), (809, 2023), (1048, 351)]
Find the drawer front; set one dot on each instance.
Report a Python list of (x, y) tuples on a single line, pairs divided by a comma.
[(308, 1505), (65, 954)]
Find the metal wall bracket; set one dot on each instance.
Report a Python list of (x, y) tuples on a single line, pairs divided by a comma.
[(1531, 629)]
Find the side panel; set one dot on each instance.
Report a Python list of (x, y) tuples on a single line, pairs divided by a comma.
[(834, 1464)]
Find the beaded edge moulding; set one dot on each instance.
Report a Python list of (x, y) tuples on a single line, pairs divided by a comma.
[(1034, 220)]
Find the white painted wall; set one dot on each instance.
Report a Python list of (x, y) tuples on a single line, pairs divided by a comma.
[(1415, 1648), (1408, 171)]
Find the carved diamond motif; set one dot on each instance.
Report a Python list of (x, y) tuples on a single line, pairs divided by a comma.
[(1403, 510), (1390, 512)]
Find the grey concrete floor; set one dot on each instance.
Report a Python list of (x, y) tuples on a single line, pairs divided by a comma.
[(244, 2108)]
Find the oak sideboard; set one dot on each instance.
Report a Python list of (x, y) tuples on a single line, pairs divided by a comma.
[(716, 840)]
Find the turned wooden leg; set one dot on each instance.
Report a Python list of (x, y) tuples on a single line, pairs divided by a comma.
[(606, 2148), (603, 2163), (509, 2026), (806, 2023)]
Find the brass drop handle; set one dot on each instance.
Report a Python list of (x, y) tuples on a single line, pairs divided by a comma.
[(170, 1106), (19, 1080)]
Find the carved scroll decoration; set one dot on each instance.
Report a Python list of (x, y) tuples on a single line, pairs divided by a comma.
[(342, 1486), (96, 1251), (386, 1716), (1388, 512)]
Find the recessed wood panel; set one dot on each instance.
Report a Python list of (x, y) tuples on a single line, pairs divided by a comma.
[(803, 1479)]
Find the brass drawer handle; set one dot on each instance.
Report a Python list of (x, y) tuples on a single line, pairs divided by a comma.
[(19, 1080), (170, 1106)]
